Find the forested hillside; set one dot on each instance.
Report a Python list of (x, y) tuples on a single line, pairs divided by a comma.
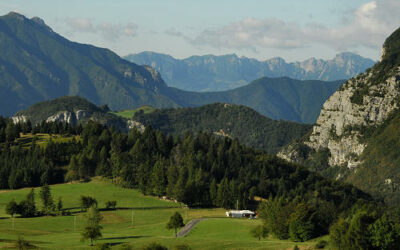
[(233, 121), (277, 98)]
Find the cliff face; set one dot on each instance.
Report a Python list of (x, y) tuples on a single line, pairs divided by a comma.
[(68, 117), (352, 112), (339, 126)]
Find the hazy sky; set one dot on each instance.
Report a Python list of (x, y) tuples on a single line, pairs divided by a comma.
[(292, 29)]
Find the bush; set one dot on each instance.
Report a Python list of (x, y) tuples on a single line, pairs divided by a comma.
[(111, 205), (87, 202), (103, 246), (181, 247), (321, 244), (154, 246), (125, 246)]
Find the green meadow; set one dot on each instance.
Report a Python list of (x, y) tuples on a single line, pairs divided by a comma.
[(138, 221), (128, 114)]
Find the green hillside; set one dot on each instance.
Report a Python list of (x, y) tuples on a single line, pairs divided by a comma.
[(277, 98), (128, 114), (234, 121)]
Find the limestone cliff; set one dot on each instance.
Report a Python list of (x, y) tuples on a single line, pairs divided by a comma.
[(361, 104)]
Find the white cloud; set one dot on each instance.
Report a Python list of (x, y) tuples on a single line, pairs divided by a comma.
[(81, 25), (367, 27), (109, 31)]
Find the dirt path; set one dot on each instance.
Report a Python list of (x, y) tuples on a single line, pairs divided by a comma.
[(188, 227)]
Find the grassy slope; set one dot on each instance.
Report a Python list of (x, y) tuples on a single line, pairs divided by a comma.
[(26, 140), (128, 114), (150, 216)]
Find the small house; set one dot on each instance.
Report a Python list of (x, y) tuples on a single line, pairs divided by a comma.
[(240, 214)]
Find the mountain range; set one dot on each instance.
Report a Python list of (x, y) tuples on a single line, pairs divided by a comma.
[(37, 64), (219, 73)]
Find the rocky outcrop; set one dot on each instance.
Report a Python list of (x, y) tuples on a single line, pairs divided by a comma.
[(359, 104), (68, 117), (19, 119), (131, 124)]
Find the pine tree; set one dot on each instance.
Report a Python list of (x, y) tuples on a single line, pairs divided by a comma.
[(213, 192), (47, 199)]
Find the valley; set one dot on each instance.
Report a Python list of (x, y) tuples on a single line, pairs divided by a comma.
[(206, 145)]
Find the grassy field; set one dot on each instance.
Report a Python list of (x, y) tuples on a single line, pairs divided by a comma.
[(26, 140), (129, 113), (149, 214)]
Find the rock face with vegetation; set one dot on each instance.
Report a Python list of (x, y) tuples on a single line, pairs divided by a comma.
[(351, 116), (72, 110)]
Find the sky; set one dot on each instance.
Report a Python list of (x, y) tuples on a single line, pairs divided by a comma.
[(292, 29)]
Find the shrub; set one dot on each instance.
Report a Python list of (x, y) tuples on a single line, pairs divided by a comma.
[(111, 205), (87, 202), (321, 244), (155, 246)]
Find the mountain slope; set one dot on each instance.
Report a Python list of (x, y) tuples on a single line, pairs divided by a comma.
[(354, 138), (277, 98), (218, 73), (37, 64), (240, 122)]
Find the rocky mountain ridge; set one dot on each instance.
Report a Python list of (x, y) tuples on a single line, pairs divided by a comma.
[(218, 73)]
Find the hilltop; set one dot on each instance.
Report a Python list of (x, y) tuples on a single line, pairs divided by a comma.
[(69, 109), (234, 121)]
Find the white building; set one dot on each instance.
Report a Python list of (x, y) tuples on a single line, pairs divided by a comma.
[(240, 214)]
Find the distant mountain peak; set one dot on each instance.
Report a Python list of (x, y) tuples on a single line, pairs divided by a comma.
[(16, 15), (218, 73), (41, 23)]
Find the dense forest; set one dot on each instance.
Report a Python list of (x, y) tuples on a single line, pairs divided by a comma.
[(199, 170), (246, 124)]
